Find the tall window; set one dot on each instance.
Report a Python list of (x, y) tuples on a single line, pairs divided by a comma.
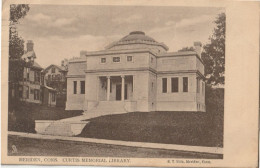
[(185, 84), (37, 76), (175, 84), (27, 92), (75, 87), (53, 70), (53, 97), (198, 85), (28, 74), (36, 94), (82, 87), (21, 91), (164, 85)]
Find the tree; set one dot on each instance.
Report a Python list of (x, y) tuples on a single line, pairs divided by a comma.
[(16, 50), (213, 54), (16, 43)]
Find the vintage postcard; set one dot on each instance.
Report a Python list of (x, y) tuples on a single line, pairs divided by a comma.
[(130, 83)]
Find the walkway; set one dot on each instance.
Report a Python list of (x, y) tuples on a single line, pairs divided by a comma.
[(199, 149)]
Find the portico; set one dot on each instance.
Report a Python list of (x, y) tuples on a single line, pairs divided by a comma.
[(115, 88)]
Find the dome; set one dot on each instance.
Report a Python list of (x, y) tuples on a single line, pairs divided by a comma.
[(136, 38), (137, 35)]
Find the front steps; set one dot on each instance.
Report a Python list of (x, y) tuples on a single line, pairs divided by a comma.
[(73, 126), (106, 108), (60, 128)]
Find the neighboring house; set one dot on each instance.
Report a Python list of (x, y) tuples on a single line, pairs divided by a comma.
[(138, 74), (55, 77), (31, 86), (55, 73)]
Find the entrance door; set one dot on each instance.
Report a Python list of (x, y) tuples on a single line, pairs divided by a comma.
[(118, 92)]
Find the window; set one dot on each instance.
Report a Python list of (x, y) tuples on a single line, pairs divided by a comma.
[(151, 59), (27, 92), (37, 76), (53, 70), (185, 84), (129, 58), (32, 91), (28, 73), (125, 91), (175, 84), (198, 85), (103, 60), (75, 87), (116, 59), (21, 91), (82, 87), (36, 94), (164, 85), (53, 97)]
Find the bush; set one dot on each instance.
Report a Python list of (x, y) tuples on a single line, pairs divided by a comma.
[(20, 118)]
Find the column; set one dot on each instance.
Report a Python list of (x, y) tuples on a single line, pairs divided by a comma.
[(108, 88), (123, 88)]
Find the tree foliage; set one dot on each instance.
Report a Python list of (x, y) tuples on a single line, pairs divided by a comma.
[(16, 43), (213, 54), (16, 50), (17, 12)]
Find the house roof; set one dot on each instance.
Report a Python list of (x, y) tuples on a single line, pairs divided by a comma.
[(29, 54), (53, 65), (36, 65)]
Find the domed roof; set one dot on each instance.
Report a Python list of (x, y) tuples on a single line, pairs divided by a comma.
[(137, 35)]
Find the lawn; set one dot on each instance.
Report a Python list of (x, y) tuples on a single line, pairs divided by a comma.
[(23, 119), (31, 147), (185, 128)]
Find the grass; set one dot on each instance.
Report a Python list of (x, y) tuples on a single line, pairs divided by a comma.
[(186, 128), (23, 118), (31, 147)]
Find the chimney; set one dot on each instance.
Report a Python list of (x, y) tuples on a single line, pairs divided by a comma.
[(198, 46), (83, 53), (29, 45)]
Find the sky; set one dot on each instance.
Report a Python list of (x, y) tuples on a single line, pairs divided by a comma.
[(62, 31)]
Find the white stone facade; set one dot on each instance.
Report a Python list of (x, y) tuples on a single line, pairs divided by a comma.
[(138, 74)]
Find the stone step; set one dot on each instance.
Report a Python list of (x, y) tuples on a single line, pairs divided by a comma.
[(106, 108), (60, 128)]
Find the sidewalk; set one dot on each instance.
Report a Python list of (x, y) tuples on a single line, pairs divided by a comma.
[(199, 149)]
